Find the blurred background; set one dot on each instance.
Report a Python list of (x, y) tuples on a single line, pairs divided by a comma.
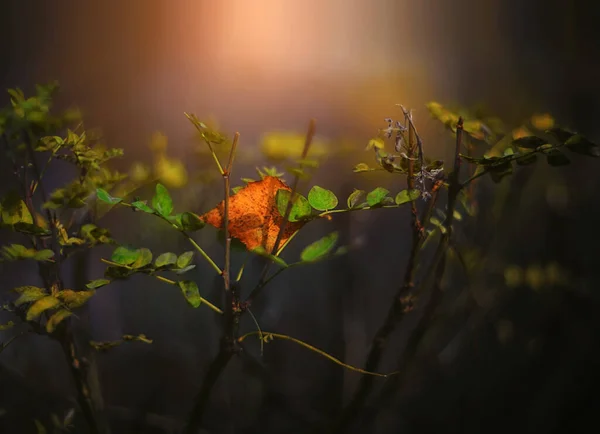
[(521, 357)]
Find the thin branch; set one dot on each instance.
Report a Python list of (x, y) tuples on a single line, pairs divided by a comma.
[(194, 120), (228, 343), (288, 210), (189, 238), (269, 336), (163, 279)]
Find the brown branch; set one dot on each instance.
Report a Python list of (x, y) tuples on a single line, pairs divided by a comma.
[(439, 265), (228, 344), (404, 299)]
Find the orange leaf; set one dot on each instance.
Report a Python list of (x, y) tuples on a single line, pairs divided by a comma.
[(253, 215)]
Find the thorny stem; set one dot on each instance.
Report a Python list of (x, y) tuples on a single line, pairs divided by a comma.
[(309, 137), (228, 345)]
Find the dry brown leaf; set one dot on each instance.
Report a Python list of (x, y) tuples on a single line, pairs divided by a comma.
[(253, 215)]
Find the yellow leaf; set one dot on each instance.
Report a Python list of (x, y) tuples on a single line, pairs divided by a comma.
[(74, 299), (521, 132), (159, 142), (29, 294), (284, 145), (56, 319), (41, 306), (41, 221), (542, 121), (139, 172), (171, 173), (375, 143), (513, 276)]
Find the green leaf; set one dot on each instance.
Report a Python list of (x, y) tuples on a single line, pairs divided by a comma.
[(581, 145), (107, 198), (40, 306), (407, 196), (118, 273), (190, 222), (43, 255), (141, 205), (300, 208), (190, 292), (144, 258), (95, 235), (98, 283), (529, 142), (260, 250), (74, 299), (14, 210), (56, 319), (377, 196), (18, 252), (322, 199), (185, 259), (125, 256), (319, 248), (354, 198), (29, 294), (162, 201), (165, 260), (184, 269)]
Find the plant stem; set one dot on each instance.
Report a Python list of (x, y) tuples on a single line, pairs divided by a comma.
[(166, 280), (52, 277), (270, 336), (201, 401), (83, 391), (404, 299), (439, 267), (228, 344)]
